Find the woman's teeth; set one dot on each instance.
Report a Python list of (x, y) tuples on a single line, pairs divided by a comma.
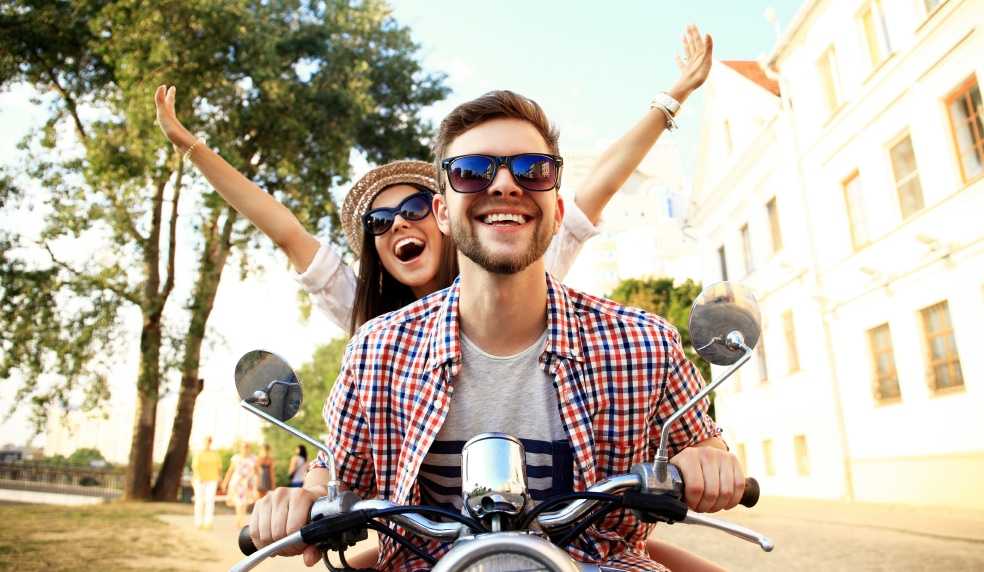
[(503, 217)]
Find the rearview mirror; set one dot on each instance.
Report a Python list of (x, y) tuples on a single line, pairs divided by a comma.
[(723, 318), (267, 382)]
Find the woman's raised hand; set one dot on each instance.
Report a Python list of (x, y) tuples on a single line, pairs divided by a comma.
[(168, 121), (695, 63)]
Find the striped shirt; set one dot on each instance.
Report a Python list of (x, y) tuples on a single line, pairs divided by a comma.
[(505, 394)]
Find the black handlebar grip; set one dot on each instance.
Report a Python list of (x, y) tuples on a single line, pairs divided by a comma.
[(751, 495), (246, 545)]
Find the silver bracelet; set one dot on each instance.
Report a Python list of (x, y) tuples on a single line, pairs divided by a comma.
[(187, 153), (669, 106)]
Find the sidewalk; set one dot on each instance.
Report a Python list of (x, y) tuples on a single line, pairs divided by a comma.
[(222, 540)]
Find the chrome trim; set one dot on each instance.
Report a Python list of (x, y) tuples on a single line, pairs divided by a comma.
[(469, 552), (579, 507), (252, 561), (415, 522), (733, 529)]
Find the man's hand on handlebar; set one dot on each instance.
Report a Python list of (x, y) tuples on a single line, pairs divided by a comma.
[(712, 476), (281, 512)]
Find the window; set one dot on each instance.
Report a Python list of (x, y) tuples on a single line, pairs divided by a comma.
[(763, 371), (746, 247), (931, 5), (723, 260), (829, 82), (943, 362), (906, 177), (773, 212), (886, 382), (802, 455), (728, 143), (967, 123), (742, 456), (790, 328), (875, 32), (854, 201), (770, 468)]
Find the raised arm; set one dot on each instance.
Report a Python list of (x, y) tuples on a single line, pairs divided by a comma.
[(264, 211), (616, 164)]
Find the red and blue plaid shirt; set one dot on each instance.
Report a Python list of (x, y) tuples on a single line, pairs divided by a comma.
[(618, 371)]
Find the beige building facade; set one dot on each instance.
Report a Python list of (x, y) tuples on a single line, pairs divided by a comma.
[(843, 179)]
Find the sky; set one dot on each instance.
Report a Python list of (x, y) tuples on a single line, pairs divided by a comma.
[(593, 66)]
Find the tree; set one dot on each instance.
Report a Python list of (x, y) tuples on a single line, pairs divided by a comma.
[(661, 297), (283, 90), (317, 378), (85, 456)]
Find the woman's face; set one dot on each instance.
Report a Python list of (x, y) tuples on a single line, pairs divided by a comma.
[(409, 250)]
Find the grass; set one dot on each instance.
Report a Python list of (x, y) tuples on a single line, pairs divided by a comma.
[(114, 536)]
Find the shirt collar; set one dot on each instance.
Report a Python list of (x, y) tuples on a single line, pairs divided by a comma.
[(563, 326)]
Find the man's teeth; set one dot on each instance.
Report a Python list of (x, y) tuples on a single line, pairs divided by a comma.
[(503, 217)]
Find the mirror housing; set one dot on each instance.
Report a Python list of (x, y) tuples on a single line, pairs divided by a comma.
[(723, 318), (266, 381)]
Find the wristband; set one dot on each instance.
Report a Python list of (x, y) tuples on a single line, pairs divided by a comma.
[(187, 153)]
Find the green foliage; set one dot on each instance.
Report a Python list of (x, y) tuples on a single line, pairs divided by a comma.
[(661, 297), (317, 378), (283, 90), (85, 456)]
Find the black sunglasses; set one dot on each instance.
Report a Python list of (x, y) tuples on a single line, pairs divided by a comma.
[(475, 173), (415, 207)]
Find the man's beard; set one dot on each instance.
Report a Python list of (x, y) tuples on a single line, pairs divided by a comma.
[(469, 245)]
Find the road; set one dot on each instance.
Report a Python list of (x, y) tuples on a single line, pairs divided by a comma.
[(809, 535)]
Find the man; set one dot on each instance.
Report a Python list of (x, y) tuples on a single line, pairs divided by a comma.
[(585, 382), (206, 467)]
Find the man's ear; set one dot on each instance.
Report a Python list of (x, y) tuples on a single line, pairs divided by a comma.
[(559, 214), (439, 206)]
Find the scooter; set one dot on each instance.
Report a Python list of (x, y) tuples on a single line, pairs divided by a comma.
[(499, 528)]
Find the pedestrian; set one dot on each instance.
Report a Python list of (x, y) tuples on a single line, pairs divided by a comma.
[(206, 467), (241, 482), (267, 479), (298, 466)]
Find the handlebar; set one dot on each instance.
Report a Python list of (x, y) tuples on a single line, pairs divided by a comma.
[(449, 531)]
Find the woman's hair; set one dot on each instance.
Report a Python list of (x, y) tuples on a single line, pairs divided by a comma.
[(302, 451), (378, 292)]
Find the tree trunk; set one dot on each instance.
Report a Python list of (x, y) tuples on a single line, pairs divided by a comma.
[(140, 469), (214, 256)]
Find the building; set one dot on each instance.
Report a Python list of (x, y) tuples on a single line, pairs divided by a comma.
[(641, 232), (847, 198)]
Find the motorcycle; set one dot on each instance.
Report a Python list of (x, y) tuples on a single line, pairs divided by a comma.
[(499, 528)]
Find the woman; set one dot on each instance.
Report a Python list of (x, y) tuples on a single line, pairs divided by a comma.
[(241, 481), (298, 466), (391, 274), (267, 479)]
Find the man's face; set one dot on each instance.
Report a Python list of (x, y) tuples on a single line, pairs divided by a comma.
[(504, 228)]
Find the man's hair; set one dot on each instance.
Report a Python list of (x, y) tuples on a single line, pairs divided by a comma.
[(492, 105)]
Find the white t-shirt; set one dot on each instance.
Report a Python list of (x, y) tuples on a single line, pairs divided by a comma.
[(331, 283)]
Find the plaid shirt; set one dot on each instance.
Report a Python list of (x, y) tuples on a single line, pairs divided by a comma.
[(618, 371)]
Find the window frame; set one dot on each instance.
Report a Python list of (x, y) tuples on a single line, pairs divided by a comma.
[(951, 360), (849, 204), (748, 257), (875, 352), (914, 174), (723, 262), (830, 79), (964, 89), (792, 348), (775, 228), (879, 27), (801, 454)]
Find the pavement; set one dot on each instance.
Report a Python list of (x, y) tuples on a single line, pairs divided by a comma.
[(808, 534)]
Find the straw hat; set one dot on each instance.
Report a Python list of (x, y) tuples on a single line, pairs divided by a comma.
[(365, 190)]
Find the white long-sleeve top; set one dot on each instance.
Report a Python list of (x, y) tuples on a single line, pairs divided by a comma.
[(331, 282)]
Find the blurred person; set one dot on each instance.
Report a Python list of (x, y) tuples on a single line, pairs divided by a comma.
[(268, 479), (240, 483), (387, 218), (206, 469), (298, 467)]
